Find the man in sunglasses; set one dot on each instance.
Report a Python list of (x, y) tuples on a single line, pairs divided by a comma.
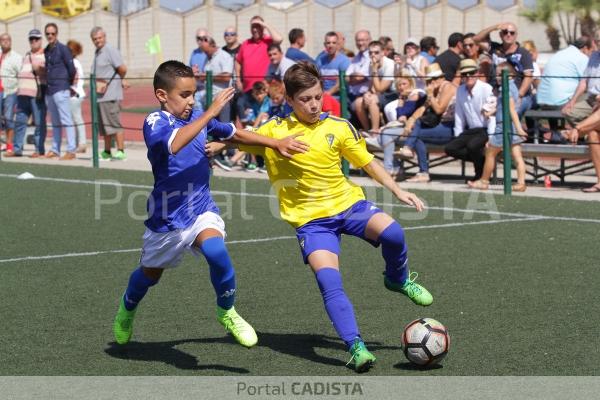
[(198, 60), (60, 72), (30, 96), (510, 51), (470, 123), (252, 61)]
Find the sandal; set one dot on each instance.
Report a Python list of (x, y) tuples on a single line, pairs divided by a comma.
[(479, 184), (592, 189), (421, 177), (519, 187), (406, 153)]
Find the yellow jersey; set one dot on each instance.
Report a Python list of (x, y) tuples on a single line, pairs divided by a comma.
[(312, 185)]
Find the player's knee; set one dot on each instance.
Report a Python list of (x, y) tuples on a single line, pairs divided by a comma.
[(393, 235), (153, 274)]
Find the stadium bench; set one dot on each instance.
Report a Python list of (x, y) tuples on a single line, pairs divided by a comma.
[(530, 151)]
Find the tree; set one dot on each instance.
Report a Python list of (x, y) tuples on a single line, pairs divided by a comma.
[(575, 17)]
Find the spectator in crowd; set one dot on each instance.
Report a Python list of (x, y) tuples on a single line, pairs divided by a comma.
[(279, 64), (415, 62), (342, 45), (252, 61), (388, 46), (110, 72), (30, 97), (279, 106), (10, 65), (357, 73), (197, 62), (569, 64), (530, 46), (587, 94), (60, 73), (253, 110), (330, 62), (297, 42), (433, 123), (77, 96), (253, 106), (590, 128), (470, 121), (429, 48), (220, 63), (331, 105), (495, 140), (475, 53), (449, 60), (370, 104), (397, 113), (510, 50), (232, 45)]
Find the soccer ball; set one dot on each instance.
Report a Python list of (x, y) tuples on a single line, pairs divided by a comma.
[(425, 341)]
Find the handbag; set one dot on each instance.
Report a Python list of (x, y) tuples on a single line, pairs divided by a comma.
[(430, 118), (39, 94), (102, 84)]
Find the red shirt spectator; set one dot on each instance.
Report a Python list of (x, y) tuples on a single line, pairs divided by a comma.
[(252, 61)]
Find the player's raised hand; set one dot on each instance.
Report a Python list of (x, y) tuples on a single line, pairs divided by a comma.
[(221, 100), (411, 199), (289, 146)]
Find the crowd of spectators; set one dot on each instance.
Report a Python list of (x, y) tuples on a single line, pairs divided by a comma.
[(447, 98), (51, 80)]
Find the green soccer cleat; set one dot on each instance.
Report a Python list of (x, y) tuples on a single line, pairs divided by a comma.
[(105, 155), (123, 326), (361, 357), (237, 326), (417, 293), (120, 156)]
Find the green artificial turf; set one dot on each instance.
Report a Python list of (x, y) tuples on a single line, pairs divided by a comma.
[(518, 297)]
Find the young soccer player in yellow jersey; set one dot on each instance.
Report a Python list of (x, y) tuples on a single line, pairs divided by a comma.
[(321, 204)]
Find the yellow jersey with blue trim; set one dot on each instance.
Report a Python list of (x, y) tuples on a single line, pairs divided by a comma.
[(311, 185)]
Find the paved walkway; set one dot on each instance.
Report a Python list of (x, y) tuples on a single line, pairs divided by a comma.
[(136, 160)]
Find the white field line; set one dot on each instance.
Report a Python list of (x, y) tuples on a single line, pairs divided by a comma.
[(217, 192), (410, 228)]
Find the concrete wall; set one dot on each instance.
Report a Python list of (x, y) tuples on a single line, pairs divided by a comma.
[(177, 31)]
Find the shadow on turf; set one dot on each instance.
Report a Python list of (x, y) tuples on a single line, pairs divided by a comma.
[(305, 346), (298, 345), (168, 353), (406, 366)]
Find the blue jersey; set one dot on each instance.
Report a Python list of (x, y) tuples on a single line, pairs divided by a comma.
[(181, 182)]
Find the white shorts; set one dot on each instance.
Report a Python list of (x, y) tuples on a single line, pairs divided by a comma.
[(166, 249)]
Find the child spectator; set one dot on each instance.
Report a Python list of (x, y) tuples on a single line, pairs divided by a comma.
[(397, 112), (495, 141), (77, 96)]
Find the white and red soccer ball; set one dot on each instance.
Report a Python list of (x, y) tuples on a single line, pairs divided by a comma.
[(425, 341)]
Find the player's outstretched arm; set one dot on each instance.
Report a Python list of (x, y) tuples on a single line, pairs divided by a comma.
[(287, 146), (189, 132), (376, 171)]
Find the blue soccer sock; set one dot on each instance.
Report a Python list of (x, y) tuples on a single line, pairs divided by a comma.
[(337, 304), (395, 252), (137, 288), (222, 274)]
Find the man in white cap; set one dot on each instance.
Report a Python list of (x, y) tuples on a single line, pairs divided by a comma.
[(470, 123)]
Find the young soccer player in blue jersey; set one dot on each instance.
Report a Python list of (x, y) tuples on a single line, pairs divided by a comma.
[(321, 204), (181, 212)]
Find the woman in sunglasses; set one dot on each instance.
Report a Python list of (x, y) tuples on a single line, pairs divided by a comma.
[(473, 51)]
